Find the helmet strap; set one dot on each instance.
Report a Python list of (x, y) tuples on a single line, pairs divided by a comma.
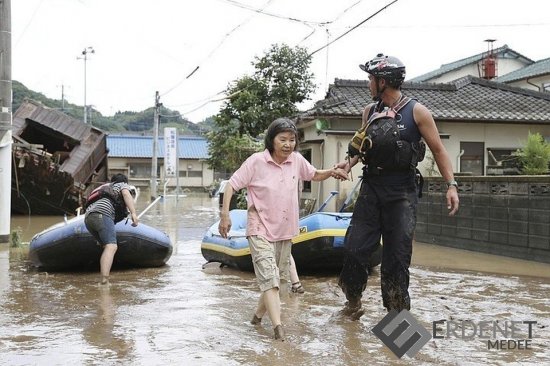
[(379, 91)]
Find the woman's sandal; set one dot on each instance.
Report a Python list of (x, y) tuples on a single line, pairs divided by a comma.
[(297, 288)]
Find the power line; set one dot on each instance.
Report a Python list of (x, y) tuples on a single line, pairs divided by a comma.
[(29, 23), (345, 11), (197, 101), (216, 100), (225, 37), (353, 28), (261, 11), (292, 19), (329, 22)]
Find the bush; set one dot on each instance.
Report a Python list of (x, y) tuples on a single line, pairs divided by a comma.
[(535, 155)]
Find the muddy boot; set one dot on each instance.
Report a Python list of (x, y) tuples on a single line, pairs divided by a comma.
[(353, 309), (279, 333)]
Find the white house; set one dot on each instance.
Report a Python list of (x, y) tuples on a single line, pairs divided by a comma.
[(487, 65)]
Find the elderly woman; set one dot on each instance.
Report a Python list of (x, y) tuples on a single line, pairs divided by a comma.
[(271, 178)]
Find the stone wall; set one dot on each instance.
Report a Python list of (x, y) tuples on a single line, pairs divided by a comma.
[(504, 215)]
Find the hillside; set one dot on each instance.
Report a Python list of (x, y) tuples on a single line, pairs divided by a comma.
[(121, 122)]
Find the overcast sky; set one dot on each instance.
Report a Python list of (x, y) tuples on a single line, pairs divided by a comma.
[(146, 46)]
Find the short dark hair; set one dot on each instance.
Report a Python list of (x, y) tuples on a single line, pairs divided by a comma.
[(119, 178), (276, 127)]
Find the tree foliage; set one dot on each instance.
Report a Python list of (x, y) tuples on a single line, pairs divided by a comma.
[(280, 81), (232, 150), (535, 155)]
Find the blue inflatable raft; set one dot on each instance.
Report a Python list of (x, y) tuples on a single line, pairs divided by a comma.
[(69, 245), (318, 246)]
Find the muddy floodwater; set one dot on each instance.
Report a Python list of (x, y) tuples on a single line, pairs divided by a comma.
[(183, 314)]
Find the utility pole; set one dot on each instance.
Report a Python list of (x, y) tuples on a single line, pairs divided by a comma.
[(5, 119), (155, 143), (84, 57), (62, 97)]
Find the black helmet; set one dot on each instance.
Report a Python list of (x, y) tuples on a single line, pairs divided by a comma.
[(386, 67)]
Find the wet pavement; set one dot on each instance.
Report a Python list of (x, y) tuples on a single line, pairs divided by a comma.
[(184, 314)]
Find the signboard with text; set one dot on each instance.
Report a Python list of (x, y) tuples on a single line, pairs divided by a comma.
[(170, 152)]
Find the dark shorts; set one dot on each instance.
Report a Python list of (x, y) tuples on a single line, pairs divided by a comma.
[(102, 228)]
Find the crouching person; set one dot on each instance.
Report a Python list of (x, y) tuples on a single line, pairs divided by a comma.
[(102, 215)]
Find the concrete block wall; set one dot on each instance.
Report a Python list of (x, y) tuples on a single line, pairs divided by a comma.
[(504, 215)]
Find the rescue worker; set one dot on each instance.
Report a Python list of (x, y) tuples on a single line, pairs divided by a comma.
[(386, 205)]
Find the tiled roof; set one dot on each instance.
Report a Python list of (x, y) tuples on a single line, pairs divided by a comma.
[(502, 52), (539, 68), (130, 146), (466, 99)]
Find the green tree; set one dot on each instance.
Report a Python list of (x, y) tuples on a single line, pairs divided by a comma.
[(535, 155), (228, 152), (280, 81)]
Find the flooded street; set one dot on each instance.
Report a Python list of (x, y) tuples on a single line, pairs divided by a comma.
[(184, 314)]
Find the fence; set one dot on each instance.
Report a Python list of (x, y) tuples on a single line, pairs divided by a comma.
[(504, 215)]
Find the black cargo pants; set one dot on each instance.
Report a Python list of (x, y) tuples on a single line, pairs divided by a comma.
[(385, 208)]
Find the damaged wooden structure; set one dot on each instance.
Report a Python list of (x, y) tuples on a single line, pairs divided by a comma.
[(57, 159)]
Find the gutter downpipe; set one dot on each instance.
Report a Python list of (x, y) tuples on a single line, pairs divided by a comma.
[(322, 150), (338, 148), (535, 85), (458, 160)]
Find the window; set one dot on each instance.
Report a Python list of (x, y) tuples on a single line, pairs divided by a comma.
[(194, 173), (498, 156), (546, 87), (190, 173), (501, 161), (471, 161), (143, 170)]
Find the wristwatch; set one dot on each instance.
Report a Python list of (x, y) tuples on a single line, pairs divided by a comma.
[(452, 183)]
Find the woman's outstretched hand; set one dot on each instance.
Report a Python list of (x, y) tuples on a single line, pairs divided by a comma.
[(225, 225), (339, 173)]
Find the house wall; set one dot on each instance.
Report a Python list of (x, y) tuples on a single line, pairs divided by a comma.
[(330, 149), (325, 154), (504, 67), (507, 215), (189, 172), (493, 135), (539, 83)]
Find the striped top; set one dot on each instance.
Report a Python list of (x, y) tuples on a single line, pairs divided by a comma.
[(104, 205)]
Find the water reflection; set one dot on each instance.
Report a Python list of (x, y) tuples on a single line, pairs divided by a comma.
[(102, 331), (183, 314)]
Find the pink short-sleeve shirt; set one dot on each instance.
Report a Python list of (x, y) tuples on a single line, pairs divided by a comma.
[(273, 193)]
